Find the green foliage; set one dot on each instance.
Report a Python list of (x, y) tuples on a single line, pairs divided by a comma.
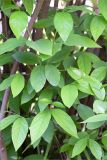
[(56, 107)]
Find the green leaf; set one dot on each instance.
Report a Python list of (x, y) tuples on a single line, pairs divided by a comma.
[(52, 74), (99, 73), (49, 133), (28, 6), (69, 94), (63, 23), (79, 147), (25, 57), (38, 78), (6, 83), (34, 157), (104, 138), (84, 86), (102, 6), (39, 125), (83, 41), (94, 125), (97, 88), (17, 84), (96, 118), (43, 46), (8, 121), (18, 22), (75, 73), (26, 97), (5, 58), (95, 149), (11, 44), (19, 132), (65, 121), (84, 111), (97, 26), (84, 63), (99, 106)]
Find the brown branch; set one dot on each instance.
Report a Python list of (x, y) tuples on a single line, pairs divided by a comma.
[(43, 14), (3, 153)]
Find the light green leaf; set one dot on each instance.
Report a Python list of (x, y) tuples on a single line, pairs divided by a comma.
[(19, 132), (69, 93), (63, 23), (8, 121), (96, 118), (84, 63), (95, 149), (65, 121), (97, 88), (83, 41), (17, 84), (75, 73), (99, 106), (83, 85), (11, 44), (79, 147), (28, 6), (97, 26), (38, 78), (6, 83), (25, 57), (102, 6), (52, 74), (99, 73), (43, 46), (18, 22), (39, 125)]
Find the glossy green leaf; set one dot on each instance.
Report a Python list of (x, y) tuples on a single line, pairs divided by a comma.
[(6, 58), (52, 74), (34, 157), (85, 111), (19, 132), (99, 73), (79, 147), (49, 133), (43, 46), (99, 106), (26, 97), (69, 94), (65, 122), (17, 84), (8, 121), (63, 23), (6, 83), (83, 41), (104, 138), (97, 29), (75, 73), (97, 118), (39, 125), (38, 78), (25, 57), (28, 6), (11, 44), (18, 22), (84, 63), (95, 149), (102, 6)]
